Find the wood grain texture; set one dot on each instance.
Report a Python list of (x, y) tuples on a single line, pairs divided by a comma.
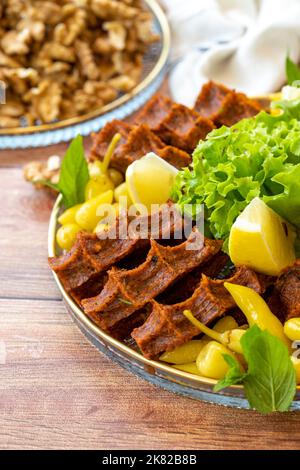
[(57, 391)]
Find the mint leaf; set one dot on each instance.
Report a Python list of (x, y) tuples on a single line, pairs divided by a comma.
[(270, 383), (233, 376), (292, 71), (48, 183), (74, 174)]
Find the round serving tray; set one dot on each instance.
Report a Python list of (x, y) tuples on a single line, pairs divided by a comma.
[(154, 69), (158, 373)]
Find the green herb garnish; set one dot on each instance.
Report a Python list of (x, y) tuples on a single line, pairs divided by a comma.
[(233, 377), (292, 71), (270, 381), (74, 175), (124, 301)]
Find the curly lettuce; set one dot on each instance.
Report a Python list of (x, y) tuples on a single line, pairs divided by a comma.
[(258, 156)]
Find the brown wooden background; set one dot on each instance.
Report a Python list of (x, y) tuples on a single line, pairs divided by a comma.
[(56, 390)]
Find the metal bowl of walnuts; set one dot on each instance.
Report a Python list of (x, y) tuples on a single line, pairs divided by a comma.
[(68, 67)]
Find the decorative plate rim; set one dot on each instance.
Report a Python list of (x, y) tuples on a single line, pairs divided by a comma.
[(140, 87), (233, 391)]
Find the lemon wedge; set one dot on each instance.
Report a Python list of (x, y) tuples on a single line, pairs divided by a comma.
[(262, 240), (149, 180)]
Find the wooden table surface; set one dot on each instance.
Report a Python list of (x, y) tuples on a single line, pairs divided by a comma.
[(58, 391)]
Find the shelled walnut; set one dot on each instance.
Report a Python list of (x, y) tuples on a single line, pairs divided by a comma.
[(63, 58), (38, 172)]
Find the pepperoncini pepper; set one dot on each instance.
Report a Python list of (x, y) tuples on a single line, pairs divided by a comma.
[(292, 329), (100, 175), (230, 338), (184, 354), (256, 310), (68, 216), (66, 235), (225, 324), (190, 367), (210, 361)]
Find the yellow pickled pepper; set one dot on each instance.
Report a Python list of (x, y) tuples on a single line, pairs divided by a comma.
[(190, 367), (68, 216), (66, 235), (210, 361), (230, 338), (292, 328), (115, 176), (97, 186), (256, 310), (87, 215), (185, 353), (184, 356)]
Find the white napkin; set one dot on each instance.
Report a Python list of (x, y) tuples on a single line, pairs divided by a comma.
[(241, 43)]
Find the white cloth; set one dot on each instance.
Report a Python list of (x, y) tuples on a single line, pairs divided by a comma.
[(247, 42)]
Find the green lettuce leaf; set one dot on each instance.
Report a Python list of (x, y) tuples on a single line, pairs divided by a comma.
[(258, 156), (291, 108)]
